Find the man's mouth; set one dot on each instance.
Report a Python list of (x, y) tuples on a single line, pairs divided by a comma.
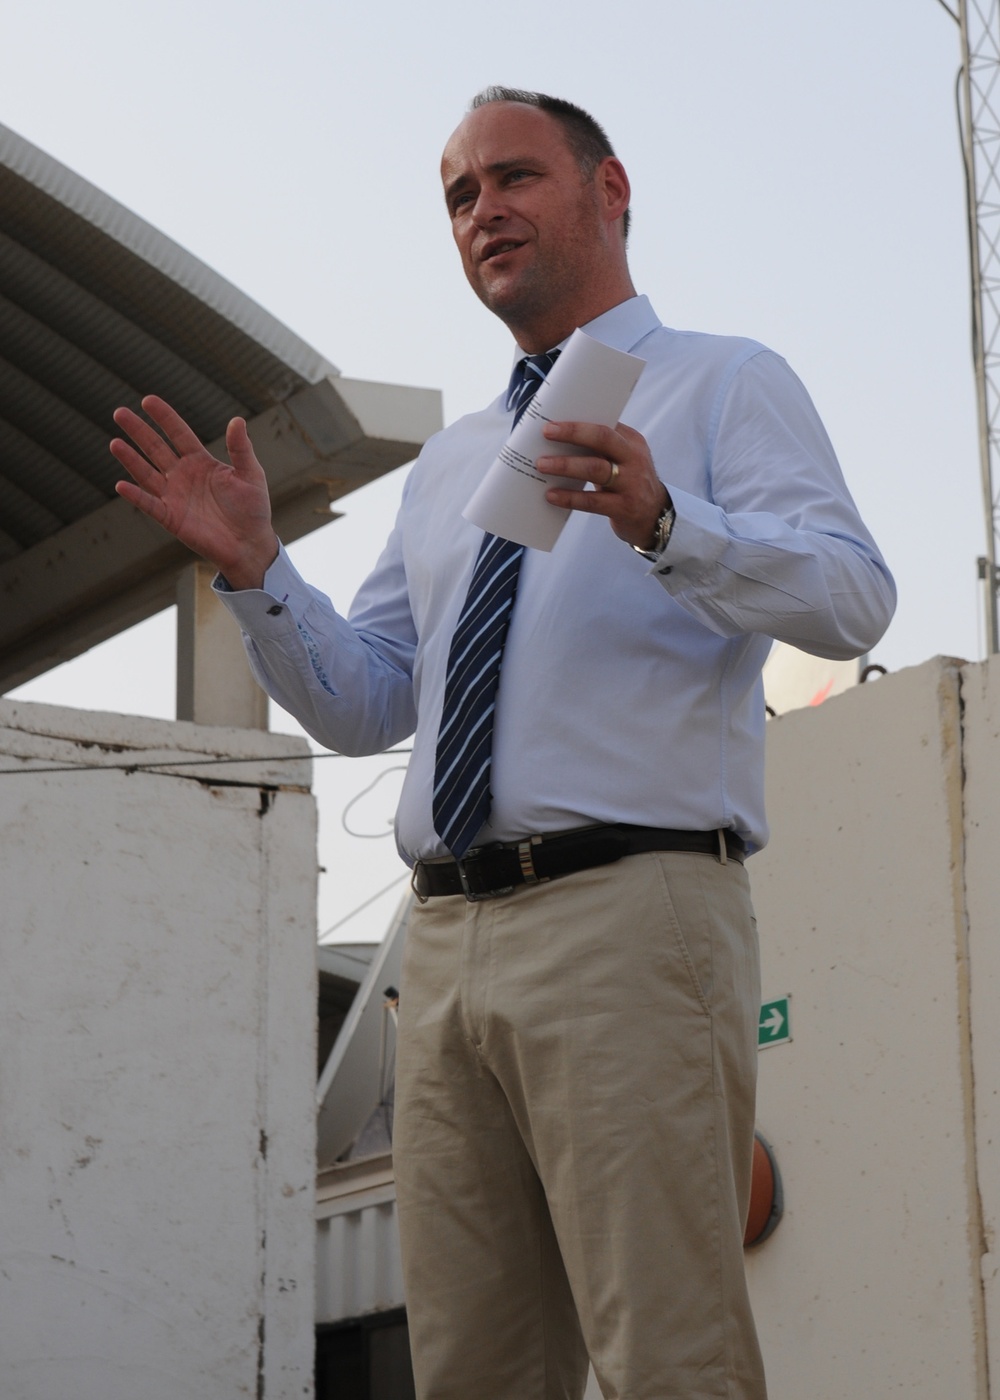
[(493, 250)]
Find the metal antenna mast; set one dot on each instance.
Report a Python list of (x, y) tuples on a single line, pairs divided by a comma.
[(979, 117)]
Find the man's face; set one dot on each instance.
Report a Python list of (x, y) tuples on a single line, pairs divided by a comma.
[(526, 219)]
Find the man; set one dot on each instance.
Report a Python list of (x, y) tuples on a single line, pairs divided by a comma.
[(577, 1050)]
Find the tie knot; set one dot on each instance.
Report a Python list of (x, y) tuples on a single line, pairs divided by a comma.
[(528, 374), (538, 366)]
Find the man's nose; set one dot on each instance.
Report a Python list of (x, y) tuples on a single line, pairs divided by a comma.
[(488, 208)]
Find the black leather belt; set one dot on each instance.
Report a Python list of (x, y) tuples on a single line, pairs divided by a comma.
[(489, 871)]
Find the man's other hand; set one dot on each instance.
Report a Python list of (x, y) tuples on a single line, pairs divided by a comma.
[(628, 490), (220, 511)]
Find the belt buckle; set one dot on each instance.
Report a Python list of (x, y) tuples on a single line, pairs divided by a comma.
[(477, 896)]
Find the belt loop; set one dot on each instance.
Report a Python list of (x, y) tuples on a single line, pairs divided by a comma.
[(723, 852)]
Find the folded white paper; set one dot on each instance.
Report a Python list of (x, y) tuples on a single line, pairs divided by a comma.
[(589, 383)]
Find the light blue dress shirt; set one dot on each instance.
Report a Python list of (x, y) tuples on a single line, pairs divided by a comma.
[(629, 692)]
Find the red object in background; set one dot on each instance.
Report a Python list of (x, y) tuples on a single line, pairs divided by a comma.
[(766, 1198)]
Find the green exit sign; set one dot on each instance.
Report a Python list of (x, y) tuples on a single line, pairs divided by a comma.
[(775, 1024)]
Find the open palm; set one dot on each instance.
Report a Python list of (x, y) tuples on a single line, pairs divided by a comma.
[(220, 511)]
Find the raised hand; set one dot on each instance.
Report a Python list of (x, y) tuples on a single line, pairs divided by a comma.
[(221, 512)]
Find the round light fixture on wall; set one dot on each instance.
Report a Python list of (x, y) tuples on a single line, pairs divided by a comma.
[(767, 1202)]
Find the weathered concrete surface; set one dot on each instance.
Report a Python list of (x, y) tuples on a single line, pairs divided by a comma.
[(981, 829), (156, 1034), (876, 902), (157, 1061)]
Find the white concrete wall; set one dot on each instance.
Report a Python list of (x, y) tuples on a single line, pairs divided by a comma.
[(877, 906), (981, 831), (157, 1062)]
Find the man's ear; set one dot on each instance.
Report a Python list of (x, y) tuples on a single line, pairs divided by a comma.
[(613, 187)]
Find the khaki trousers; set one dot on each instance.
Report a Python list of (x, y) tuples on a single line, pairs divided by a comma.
[(573, 1136)]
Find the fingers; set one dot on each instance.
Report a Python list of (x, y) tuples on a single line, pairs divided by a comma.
[(159, 452), (150, 505), (618, 463), (182, 438), (592, 502), (148, 477), (595, 437), (240, 448), (597, 470), (632, 518), (608, 462), (150, 445), (163, 448), (148, 484)]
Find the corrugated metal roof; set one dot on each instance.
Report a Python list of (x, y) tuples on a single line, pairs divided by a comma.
[(97, 309), (71, 224)]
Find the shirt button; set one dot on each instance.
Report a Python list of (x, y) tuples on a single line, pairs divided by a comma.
[(275, 611)]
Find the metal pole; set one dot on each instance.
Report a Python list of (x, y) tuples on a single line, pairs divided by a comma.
[(988, 566)]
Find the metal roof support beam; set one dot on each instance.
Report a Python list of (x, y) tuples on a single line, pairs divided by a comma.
[(114, 567), (979, 22)]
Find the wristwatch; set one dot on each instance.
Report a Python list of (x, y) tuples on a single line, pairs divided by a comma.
[(661, 533)]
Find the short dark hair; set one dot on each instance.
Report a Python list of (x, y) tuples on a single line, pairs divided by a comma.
[(585, 136)]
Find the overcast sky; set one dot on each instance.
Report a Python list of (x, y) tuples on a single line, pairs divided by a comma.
[(796, 178)]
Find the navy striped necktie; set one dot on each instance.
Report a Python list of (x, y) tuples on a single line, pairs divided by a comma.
[(462, 797)]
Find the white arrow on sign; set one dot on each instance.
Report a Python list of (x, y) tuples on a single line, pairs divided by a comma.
[(774, 1023)]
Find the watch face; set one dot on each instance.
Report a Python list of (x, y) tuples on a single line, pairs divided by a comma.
[(661, 536), (663, 527)]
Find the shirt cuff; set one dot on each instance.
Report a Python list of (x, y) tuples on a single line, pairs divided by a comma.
[(697, 542), (284, 593)]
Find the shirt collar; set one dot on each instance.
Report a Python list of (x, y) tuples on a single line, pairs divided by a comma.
[(623, 327)]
